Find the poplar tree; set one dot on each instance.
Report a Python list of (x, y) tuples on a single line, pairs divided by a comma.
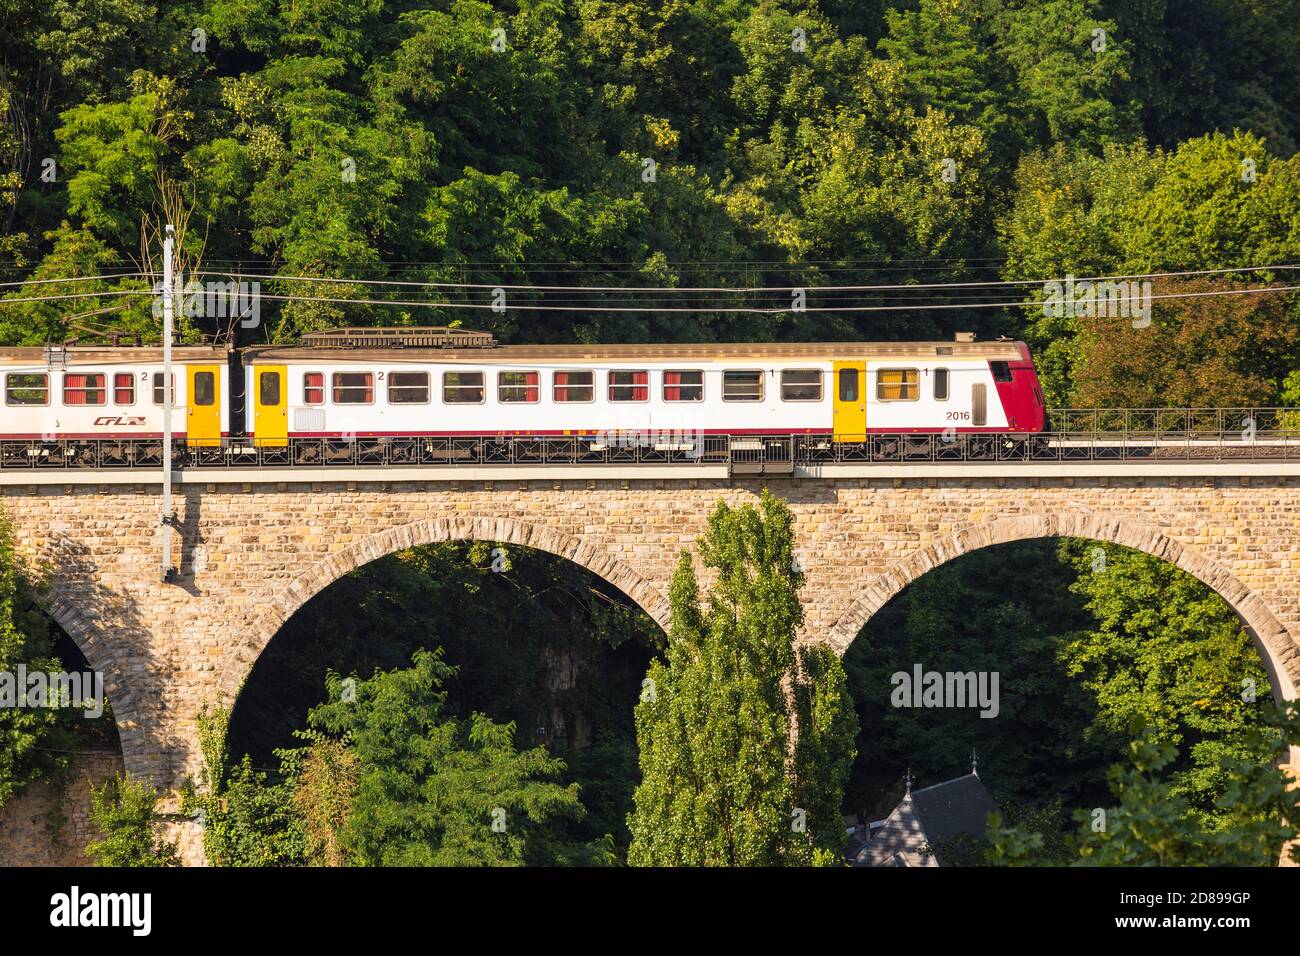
[(745, 741)]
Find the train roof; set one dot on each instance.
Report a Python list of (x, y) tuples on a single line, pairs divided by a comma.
[(514, 354), (108, 355)]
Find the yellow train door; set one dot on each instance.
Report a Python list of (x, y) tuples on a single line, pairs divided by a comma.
[(850, 401), (203, 399), (270, 405)]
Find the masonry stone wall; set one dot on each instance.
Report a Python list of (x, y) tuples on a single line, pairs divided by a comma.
[(49, 823), (251, 555)]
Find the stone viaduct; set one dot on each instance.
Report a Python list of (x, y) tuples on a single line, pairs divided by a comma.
[(254, 546)]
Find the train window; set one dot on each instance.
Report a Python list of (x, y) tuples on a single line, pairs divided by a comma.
[(84, 388), (897, 385), (801, 385), (123, 388), (408, 388), (742, 386), (462, 388), (313, 388), (848, 385), (1001, 371), (354, 388), (205, 388), (683, 385), (941, 385), (575, 386), (516, 387), (158, 397), (268, 389), (23, 388), (629, 386)]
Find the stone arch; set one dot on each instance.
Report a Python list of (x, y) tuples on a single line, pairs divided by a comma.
[(289, 598), (1276, 646), (67, 612)]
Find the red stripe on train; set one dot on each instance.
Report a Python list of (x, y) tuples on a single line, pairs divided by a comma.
[(104, 436)]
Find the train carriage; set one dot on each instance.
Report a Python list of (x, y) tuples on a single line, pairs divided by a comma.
[(378, 385), (845, 391), (86, 393)]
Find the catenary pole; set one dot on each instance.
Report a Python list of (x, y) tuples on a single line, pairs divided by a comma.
[(169, 279)]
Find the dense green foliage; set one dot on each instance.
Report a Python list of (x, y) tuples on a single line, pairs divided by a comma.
[(390, 778), (545, 654), (794, 143), (438, 791), (1165, 651), (1153, 823), (1106, 637), (715, 725), (535, 640), (123, 810), (1129, 209), (247, 816)]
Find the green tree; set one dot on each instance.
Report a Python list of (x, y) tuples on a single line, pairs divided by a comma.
[(123, 810), (247, 814), (1071, 67), (1202, 65), (433, 790), (324, 786), (1219, 201), (725, 781), (543, 644), (1153, 825), (1167, 652), (1107, 635), (949, 62)]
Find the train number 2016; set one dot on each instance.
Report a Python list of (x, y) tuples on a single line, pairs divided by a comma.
[(959, 416)]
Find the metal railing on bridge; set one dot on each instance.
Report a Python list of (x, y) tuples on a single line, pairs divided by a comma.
[(1142, 423), (1076, 435)]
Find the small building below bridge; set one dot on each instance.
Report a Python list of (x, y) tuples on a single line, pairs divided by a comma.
[(915, 833)]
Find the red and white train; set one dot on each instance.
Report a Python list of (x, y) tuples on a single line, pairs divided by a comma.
[(381, 383)]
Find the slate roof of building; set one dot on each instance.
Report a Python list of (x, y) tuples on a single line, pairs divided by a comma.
[(926, 816), (953, 807), (899, 842)]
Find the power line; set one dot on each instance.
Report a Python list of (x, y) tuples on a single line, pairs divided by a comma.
[(633, 306), (738, 310), (655, 310), (78, 295), (102, 278), (674, 290), (1001, 283)]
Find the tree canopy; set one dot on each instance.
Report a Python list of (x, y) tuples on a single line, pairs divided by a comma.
[(685, 142), (745, 739)]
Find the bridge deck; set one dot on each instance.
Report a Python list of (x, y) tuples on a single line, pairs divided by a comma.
[(1207, 469), (681, 455)]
